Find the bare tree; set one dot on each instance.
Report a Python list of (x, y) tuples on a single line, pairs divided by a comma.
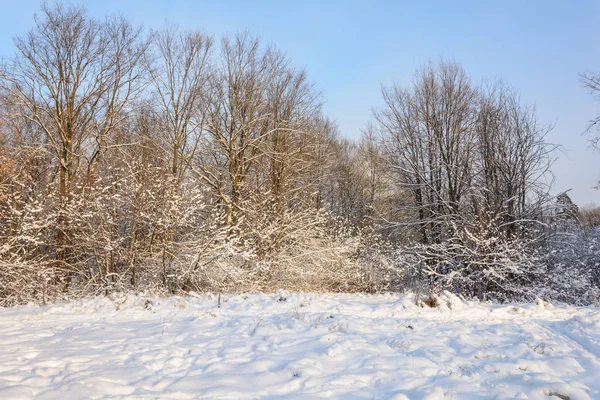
[(180, 69), (513, 160), (477, 167), (258, 121), (74, 78), (591, 82), (428, 140)]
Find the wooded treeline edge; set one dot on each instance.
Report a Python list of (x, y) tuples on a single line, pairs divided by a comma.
[(169, 161)]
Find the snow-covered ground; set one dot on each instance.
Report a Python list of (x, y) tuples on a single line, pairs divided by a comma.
[(298, 346)]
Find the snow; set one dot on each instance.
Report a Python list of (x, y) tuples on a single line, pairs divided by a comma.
[(298, 346)]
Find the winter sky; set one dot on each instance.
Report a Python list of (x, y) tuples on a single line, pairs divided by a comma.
[(351, 48)]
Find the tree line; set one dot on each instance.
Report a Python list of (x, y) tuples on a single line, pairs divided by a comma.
[(169, 161)]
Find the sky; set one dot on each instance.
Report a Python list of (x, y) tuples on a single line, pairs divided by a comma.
[(351, 48)]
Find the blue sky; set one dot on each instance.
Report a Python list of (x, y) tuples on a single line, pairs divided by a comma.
[(351, 48)]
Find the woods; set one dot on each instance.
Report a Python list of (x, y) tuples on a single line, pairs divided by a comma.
[(170, 160)]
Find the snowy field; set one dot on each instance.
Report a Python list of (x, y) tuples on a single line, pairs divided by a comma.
[(298, 346)]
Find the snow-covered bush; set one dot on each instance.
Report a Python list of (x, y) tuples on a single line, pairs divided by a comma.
[(487, 269), (26, 271), (301, 251), (571, 263), (563, 267)]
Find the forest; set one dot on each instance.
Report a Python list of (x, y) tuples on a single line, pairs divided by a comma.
[(168, 161)]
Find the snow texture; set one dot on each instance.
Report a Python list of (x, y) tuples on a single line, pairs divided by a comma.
[(298, 346)]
